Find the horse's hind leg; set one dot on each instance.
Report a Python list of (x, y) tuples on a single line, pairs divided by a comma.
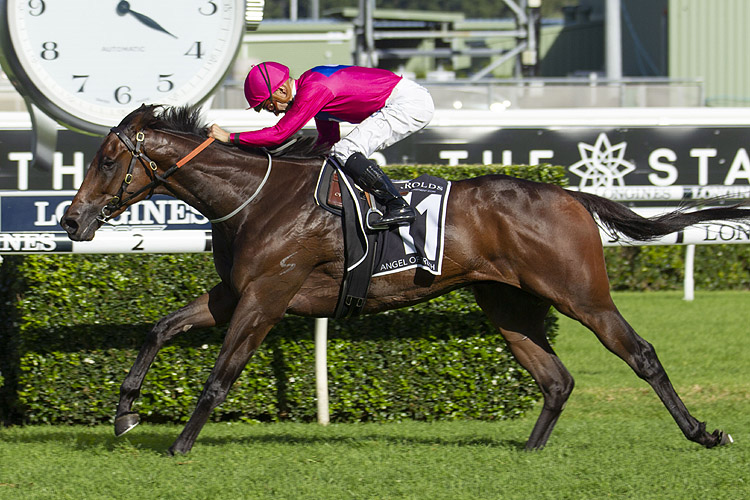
[(210, 309), (620, 338), (587, 299), (520, 318)]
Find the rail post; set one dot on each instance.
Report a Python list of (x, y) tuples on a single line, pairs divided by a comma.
[(321, 369)]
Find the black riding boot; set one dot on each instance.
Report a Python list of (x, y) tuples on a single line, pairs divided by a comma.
[(372, 179)]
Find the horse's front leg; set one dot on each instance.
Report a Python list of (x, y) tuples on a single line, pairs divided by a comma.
[(210, 309), (256, 313)]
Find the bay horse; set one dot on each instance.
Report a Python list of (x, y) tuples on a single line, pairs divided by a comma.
[(521, 246)]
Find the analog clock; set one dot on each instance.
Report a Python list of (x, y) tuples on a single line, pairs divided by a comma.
[(89, 63)]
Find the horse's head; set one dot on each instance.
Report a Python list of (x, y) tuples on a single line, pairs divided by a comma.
[(120, 174), (150, 144)]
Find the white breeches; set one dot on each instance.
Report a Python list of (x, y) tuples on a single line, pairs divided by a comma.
[(408, 109)]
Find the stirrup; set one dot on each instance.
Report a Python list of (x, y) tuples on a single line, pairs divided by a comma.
[(401, 215)]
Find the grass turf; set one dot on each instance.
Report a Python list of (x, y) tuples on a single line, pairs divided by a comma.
[(615, 439)]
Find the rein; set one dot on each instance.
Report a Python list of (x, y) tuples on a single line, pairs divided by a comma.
[(249, 200), (137, 153)]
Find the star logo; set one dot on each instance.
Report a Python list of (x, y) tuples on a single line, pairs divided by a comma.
[(602, 165)]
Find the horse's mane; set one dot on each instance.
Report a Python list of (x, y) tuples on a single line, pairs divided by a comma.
[(189, 120)]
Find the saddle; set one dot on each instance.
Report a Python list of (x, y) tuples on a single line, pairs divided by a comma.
[(329, 191), (337, 193)]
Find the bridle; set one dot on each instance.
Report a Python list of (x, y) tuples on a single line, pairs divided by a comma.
[(137, 154)]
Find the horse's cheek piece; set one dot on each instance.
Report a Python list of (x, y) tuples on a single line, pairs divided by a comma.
[(136, 154)]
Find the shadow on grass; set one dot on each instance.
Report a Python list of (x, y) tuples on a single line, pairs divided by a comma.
[(90, 439), (159, 440), (295, 440)]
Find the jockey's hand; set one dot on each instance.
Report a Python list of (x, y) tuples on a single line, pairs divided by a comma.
[(218, 133)]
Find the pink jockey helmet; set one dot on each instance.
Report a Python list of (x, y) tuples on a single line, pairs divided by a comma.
[(263, 80)]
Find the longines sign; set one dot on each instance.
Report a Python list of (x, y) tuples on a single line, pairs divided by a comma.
[(29, 223)]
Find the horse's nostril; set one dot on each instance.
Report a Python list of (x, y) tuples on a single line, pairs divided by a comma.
[(70, 225)]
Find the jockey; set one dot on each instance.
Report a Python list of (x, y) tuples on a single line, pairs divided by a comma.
[(385, 107)]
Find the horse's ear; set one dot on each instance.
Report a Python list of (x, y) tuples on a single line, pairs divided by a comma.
[(141, 117)]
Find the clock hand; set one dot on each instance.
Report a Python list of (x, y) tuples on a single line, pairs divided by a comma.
[(124, 8)]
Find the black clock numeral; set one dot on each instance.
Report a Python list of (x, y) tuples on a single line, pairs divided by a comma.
[(85, 79), (37, 7), (196, 50), (210, 11), (165, 85), (122, 94), (49, 51)]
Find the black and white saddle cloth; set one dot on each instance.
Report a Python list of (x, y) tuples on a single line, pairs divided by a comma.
[(372, 253)]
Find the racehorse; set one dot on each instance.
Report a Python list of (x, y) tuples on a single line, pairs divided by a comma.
[(521, 246)]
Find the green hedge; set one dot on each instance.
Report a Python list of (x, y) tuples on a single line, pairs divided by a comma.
[(72, 324), (717, 267)]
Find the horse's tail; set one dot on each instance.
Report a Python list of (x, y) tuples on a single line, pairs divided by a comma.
[(618, 218)]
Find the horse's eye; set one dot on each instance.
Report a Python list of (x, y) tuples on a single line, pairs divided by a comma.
[(107, 164)]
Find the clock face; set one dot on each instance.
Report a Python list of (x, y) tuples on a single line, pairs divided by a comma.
[(95, 61)]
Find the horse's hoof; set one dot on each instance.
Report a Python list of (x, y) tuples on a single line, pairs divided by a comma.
[(174, 451), (125, 422), (725, 438)]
